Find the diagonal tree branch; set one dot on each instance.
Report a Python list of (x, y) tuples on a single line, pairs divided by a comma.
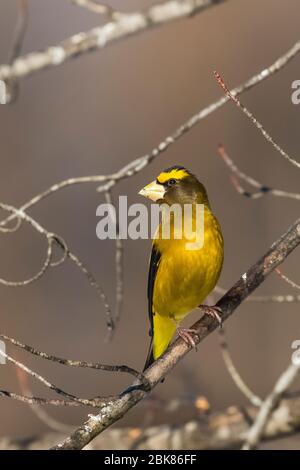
[(123, 26), (247, 283)]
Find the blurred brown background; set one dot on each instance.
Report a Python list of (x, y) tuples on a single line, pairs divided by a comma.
[(95, 114)]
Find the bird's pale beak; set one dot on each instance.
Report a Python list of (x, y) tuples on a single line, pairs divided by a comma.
[(153, 191)]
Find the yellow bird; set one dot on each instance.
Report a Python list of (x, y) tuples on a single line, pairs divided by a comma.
[(183, 269)]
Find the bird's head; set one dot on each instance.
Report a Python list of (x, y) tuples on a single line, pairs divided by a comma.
[(176, 185)]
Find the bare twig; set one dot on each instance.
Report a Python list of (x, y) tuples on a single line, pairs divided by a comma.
[(76, 363), (287, 279), (37, 400), (40, 378), (269, 405), (247, 283), (262, 189), (257, 124), (235, 375), (280, 298), (119, 269)]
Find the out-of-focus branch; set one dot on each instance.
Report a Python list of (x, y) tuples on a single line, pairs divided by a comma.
[(284, 382), (289, 281), (97, 7), (234, 373), (224, 430), (280, 298), (20, 30), (12, 85), (123, 26), (247, 283), (38, 410)]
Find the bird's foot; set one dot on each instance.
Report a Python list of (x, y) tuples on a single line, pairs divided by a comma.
[(185, 334), (213, 311)]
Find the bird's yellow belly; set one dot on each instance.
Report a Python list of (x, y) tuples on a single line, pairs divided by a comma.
[(186, 277)]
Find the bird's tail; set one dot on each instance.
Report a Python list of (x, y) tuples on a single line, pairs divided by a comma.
[(150, 358), (163, 332)]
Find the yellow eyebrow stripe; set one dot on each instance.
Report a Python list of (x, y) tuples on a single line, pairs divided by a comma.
[(173, 174)]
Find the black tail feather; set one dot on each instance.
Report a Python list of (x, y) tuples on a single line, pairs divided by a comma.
[(150, 358)]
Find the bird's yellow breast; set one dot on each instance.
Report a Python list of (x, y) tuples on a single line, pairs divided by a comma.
[(185, 277)]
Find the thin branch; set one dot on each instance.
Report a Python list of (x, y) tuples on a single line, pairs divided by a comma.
[(123, 26), (76, 363), (233, 372), (37, 409), (137, 165), (95, 402), (36, 400), (287, 279), (54, 238), (262, 188), (94, 283), (37, 276), (12, 85), (119, 271), (247, 283), (46, 383), (20, 31), (53, 189), (269, 405), (257, 124), (47, 419), (280, 298)]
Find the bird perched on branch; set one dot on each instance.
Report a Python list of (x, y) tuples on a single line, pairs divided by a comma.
[(184, 268)]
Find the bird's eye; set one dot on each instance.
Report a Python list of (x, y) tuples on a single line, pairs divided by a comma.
[(171, 182)]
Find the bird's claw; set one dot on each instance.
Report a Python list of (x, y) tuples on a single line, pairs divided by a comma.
[(185, 334), (214, 312)]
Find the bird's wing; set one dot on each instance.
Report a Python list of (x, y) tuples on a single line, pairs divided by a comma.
[(154, 262)]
